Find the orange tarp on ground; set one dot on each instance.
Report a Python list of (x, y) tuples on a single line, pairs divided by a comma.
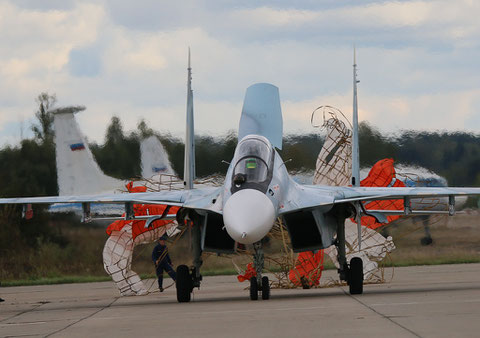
[(138, 227)]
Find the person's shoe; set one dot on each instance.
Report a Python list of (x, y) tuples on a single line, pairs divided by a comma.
[(2, 300), (161, 289)]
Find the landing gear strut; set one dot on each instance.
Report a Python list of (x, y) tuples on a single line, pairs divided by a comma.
[(259, 283)]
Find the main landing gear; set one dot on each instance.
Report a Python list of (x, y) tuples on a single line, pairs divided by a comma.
[(353, 273), (259, 284), (184, 284), (355, 276), (189, 278)]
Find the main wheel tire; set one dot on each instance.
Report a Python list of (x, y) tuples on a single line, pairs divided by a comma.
[(355, 278), (253, 288), (265, 288), (183, 284)]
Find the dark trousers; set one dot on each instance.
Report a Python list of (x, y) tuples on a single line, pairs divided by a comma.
[(164, 267)]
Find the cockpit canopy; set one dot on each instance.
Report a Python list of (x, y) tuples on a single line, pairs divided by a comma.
[(252, 159)]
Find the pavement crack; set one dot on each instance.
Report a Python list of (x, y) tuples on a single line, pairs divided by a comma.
[(23, 312), (382, 315), (84, 318)]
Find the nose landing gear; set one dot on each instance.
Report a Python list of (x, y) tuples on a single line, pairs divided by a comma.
[(265, 288), (256, 288), (259, 283)]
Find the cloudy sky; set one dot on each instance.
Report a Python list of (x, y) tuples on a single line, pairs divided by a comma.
[(418, 61)]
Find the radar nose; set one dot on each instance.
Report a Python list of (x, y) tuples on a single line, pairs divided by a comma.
[(248, 216)]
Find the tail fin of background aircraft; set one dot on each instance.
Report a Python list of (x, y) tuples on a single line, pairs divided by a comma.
[(154, 158), (77, 171), (262, 114), (189, 164), (355, 144)]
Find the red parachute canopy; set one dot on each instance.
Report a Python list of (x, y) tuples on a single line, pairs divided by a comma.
[(308, 269), (249, 273), (382, 174), (138, 227), (309, 266)]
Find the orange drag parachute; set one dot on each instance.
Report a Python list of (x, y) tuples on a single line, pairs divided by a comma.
[(382, 174), (309, 266), (308, 269), (249, 273), (138, 227)]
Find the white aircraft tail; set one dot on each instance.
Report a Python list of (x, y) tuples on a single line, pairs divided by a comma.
[(155, 159), (189, 164), (77, 171)]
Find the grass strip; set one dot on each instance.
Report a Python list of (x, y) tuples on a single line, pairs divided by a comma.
[(56, 280)]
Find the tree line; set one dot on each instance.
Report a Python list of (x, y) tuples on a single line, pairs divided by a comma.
[(29, 168)]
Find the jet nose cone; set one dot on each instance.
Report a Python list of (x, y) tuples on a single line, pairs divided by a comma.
[(248, 216)]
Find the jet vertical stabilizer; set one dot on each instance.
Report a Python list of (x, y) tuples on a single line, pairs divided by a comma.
[(77, 171), (356, 151), (189, 164), (355, 143), (154, 158), (261, 114)]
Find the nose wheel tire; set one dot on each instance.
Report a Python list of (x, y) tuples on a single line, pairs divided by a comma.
[(355, 280), (183, 284), (265, 288), (253, 288)]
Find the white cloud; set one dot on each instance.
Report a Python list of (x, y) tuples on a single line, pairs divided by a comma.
[(267, 16), (34, 49), (417, 61)]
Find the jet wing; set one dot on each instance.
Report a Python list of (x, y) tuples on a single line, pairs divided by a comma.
[(311, 196), (195, 198), (351, 194)]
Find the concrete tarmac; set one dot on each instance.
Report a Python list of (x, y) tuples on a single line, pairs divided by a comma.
[(423, 301)]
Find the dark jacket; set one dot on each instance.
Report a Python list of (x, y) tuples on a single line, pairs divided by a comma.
[(158, 251)]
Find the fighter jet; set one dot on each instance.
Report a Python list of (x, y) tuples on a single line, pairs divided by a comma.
[(257, 191)]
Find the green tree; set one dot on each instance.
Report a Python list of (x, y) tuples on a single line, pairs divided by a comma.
[(44, 130), (144, 131), (119, 156), (374, 146)]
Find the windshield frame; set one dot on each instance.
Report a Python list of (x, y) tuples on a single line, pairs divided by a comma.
[(265, 157)]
